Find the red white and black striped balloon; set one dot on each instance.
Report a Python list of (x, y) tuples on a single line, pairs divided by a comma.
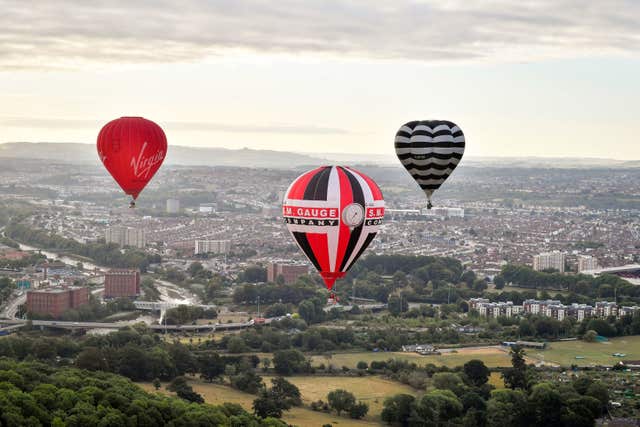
[(333, 213)]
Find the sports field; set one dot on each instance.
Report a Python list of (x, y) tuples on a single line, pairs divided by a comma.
[(598, 353), (492, 357)]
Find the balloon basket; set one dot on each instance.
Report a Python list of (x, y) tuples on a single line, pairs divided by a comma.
[(132, 204)]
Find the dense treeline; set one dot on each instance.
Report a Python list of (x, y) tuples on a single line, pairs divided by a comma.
[(34, 394), (604, 286), (109, 255), (464, 398)]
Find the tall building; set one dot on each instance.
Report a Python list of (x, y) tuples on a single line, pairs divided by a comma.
[(212, 246), (121, 283), (173, 206), (126, 236), (54, 302), (586, 262), (548, 260), (290, 272)]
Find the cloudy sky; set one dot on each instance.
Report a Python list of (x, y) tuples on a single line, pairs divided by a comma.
[(521, 77)]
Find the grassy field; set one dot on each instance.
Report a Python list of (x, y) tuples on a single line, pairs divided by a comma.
[(492, 357), (217, 394), (371, 390), (564, 353)]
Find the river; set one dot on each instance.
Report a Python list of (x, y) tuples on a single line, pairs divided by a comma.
[(169, 292)]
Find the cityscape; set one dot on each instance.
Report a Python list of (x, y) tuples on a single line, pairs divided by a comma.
[(408, 213)]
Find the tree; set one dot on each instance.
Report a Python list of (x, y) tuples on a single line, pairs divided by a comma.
[(436, 408), (286, 391), (358, 410), (184, 391), (237, 345), (499, 282), (397, 409), (477, 372), (157, 384), (287, 362), (602, 327), (516, 376), (448, 381), (599, 391), (362, 365), (397, 304), (507, 408), (307, 310), (91, 358), (547, 404), (211, 366), (247, 381), (267, 404), (341, 400), (590, 336)]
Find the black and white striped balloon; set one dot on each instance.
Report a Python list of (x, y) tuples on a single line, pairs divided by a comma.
[(430, 150)]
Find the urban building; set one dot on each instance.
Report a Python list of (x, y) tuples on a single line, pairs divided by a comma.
[(549, 260), (126, 236), (587, 263), (54, 302), (551, 308), (447, 212), (290, 272), (212, 246), (121, 283), (173, 206)]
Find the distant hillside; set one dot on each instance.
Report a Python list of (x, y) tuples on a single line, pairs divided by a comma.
[(177, 155), (192, 156)]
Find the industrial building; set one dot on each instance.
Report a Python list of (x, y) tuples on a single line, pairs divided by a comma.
[(290, 272), (122, 283), (54, 302)]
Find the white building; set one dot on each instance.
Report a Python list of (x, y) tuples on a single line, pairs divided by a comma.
[(548, 260), (126, 236), (212, 246), (586, 263), (173, 206), (445, 212)]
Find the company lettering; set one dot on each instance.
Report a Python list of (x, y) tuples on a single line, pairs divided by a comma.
[(310, 212), (143, 165), (375, 212)]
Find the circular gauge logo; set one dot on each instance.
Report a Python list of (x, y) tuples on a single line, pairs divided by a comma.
[(353, 215)]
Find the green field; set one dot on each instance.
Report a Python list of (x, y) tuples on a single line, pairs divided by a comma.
[(371, 390), (564, 353), (491, 356)]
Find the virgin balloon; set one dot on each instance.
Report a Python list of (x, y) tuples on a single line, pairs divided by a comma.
[(132, 149), (430, 150), (333, 214)]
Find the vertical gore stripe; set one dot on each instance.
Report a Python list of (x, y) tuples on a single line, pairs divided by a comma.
[(301, 238), (358, 197), (317, 187)]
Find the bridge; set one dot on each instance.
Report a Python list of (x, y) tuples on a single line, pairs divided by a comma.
[(12, 325), (162, 305)]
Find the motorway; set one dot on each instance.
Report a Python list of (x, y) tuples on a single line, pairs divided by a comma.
[(11, 324)]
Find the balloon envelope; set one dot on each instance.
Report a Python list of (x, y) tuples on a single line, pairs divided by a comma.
[(333, 213), (132, 150), (430, 150)]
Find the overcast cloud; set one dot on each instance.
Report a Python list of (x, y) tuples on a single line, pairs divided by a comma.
[(68, 33)]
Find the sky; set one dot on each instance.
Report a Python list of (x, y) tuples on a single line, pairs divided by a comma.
[(555, 78)]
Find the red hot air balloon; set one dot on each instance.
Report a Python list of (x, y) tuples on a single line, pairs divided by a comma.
[(333, 213), (132, 149)]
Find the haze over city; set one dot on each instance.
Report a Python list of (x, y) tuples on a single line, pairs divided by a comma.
[(547, 78)]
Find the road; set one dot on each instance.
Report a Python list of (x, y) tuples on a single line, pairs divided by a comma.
[(104, 325), (11, 308)]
